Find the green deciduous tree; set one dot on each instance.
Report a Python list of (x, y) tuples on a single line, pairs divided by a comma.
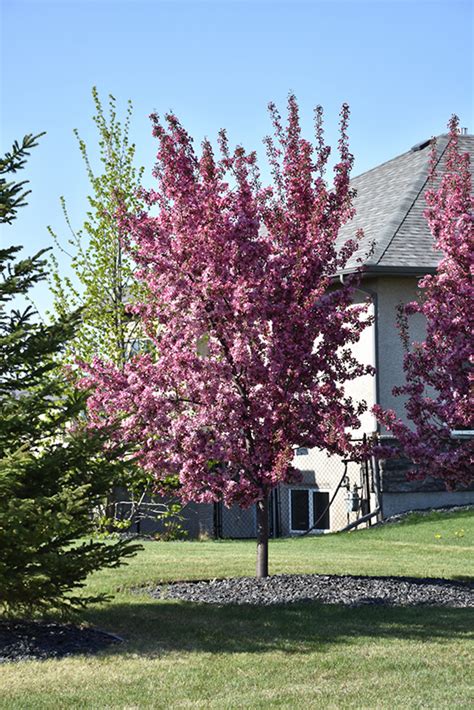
[(101, 279), (101, 282)]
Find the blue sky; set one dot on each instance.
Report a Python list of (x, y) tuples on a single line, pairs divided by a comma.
[(403, 66)]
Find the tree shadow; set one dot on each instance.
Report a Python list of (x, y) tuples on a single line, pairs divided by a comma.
[(464, 579), (153, 628)]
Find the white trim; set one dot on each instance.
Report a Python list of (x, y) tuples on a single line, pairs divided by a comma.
[(312, 489)]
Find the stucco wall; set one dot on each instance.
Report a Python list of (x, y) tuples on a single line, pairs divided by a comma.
[(363, 388), (391, 291)]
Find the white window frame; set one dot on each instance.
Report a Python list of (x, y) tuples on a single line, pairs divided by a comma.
[(308, 489)]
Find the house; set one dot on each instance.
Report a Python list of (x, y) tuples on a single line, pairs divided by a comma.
[(389, 202)]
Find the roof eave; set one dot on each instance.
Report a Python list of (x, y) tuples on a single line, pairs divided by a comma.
[(377, 270)]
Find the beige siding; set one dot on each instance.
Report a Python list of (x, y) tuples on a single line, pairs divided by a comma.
[(390, 293), (363, 388)]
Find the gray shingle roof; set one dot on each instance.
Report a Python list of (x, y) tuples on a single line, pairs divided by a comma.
[(389, 206)]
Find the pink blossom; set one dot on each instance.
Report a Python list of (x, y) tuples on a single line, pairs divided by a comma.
[(248, 331)]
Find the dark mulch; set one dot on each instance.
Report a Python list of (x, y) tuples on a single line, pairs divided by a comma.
[(36, 640), (325, 588)]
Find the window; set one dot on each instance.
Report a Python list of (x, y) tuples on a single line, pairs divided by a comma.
[(321, 510), (299, 509), (307, 507)]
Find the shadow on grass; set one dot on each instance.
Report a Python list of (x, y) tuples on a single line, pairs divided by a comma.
[(157, 627)]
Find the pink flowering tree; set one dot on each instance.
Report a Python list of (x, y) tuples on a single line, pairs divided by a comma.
[(251, 339), (439, 374)]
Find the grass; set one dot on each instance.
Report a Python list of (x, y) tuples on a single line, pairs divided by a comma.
[(182, 655)]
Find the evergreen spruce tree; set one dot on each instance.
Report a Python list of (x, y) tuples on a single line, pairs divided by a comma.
[(53, 469), (12, 192)]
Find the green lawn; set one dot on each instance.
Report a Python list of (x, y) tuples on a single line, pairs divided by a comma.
[(181, 655)]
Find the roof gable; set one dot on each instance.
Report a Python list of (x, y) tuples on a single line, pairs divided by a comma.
[(389, 203)]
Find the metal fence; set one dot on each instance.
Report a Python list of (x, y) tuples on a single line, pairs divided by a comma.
[(332, 494)]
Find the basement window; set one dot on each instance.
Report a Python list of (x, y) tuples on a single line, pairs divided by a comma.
[(308, 506)]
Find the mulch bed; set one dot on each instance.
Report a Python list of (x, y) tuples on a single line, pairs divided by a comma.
[(327, 589), (37, 640)]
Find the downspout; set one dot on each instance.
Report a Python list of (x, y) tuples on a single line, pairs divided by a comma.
[(375, 359)]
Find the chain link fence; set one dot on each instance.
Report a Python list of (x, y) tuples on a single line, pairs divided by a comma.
[(332, 494)]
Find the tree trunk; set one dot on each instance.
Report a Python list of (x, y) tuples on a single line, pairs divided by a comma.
[(262, 538)]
